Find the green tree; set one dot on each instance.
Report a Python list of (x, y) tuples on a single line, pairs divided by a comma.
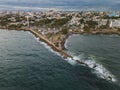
[(60, 22), (86, 28), (64, 30)]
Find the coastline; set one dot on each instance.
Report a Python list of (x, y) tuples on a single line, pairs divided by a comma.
[(88, 33), (42, 38), (61, 51)]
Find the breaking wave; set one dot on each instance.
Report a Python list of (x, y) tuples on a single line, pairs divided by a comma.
[(97, 68), (71, 61), (47, 46)]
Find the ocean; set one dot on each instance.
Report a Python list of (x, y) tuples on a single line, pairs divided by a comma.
[(29, 64)]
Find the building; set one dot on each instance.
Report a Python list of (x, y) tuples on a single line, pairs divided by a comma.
[(115, 23)]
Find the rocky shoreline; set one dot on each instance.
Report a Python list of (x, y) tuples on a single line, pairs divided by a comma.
[(87, 33), (61, 51), (42, 38)]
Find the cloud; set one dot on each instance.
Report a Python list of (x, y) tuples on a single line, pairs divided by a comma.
[(57, 2), (67, 4)]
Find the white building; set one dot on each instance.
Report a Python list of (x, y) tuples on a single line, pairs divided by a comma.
[(74, 21), (115, 23)]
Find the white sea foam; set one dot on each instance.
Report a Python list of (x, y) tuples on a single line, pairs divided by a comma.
[(98, 69), (37, 39), (65, 44), (76, 58), (71, 61), (49, 48), (103, 73), (68, 59)]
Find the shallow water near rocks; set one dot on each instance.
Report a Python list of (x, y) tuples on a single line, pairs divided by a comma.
[(99, 50), (26, 64)]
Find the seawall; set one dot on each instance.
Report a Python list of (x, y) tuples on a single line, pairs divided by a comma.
[(62, 52), (42, 38)]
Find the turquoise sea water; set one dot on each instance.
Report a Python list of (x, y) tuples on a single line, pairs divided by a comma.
[(26, 63)]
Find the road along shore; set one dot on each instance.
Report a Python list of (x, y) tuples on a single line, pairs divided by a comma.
[(62, 52)]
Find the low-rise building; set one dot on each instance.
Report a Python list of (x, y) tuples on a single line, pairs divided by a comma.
[(115, 23)]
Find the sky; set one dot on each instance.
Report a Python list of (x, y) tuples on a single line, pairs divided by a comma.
[(69, 5)]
